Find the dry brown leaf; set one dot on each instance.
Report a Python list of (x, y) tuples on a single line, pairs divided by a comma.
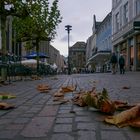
[(78, 99), (43, 88), (5, 106), (97, 100), (124, 116), (107, 106), (58, 94), (120, 105), (135, 123), (68, 89)]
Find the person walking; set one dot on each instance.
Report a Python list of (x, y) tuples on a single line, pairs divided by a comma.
[(114, 62), (122, 64)]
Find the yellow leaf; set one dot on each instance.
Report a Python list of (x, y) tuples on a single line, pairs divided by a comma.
[(124, 116)]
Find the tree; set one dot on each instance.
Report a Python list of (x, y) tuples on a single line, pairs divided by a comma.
[(41, 23), (7, 8)]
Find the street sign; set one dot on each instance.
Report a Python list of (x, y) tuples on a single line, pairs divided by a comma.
[(136, 25)]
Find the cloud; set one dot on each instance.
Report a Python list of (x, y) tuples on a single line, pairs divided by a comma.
[(65, 38), (79, 14)]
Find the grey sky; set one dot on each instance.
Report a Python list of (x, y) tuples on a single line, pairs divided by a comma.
[(79, 14)]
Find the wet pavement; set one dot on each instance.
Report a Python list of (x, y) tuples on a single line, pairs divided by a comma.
[(38, 117)]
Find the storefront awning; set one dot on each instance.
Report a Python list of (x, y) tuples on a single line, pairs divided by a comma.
[(100, 57)]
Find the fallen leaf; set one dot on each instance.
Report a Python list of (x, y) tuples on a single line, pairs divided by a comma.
[(6, 96), (68, 89), (58, 94), (43, 88), (5, 106), (135, 123), (124, 117), (121, 105)]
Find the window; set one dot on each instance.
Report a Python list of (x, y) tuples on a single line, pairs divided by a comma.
[(117, 21), (126, 13), (137, 7)]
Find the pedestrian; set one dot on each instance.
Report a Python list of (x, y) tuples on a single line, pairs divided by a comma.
[(114, 62), (122, 64)]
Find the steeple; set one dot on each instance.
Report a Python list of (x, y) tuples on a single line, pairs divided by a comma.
[(94, 24)]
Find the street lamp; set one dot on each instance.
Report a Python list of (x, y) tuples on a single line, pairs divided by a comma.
[(68, 28)]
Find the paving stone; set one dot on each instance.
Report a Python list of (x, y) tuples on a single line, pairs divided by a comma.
[(115, 135), (133, 133), (64, 111), (64, 120), (38, 127), (66, 115), (62, 137), (105, 126), (63, 128), (5, 121), (49, 111), (83, 119), (14, 127), (37, 117), (21, 120), (86, 135), (28, 115), (86, 126), (9, 134), (65, 107), (82, 113)]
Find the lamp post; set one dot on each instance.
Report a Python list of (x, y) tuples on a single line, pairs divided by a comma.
[(68, 28)]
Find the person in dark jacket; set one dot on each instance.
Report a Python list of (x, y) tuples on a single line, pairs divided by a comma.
[(122, 64), (114, 62)]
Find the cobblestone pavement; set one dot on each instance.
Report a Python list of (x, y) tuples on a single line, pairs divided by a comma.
[(37, 117)]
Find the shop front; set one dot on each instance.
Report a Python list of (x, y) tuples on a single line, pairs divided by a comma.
[(138, 51)]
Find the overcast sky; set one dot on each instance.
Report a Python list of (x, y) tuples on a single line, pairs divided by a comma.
[(78, 14)]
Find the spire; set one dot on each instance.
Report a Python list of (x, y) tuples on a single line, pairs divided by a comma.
[(94, 24)]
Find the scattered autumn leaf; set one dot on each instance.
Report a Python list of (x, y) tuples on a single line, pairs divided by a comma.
[(124, 117), (68, 89), (58, 94), (121, 105), (5, 106), (99, 101), (43, 88), (135, 123), (6, 96)]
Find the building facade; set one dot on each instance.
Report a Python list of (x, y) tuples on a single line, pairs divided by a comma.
[(126, 39), (77, 56), (53, 55), (102, 45), (91, 48)]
